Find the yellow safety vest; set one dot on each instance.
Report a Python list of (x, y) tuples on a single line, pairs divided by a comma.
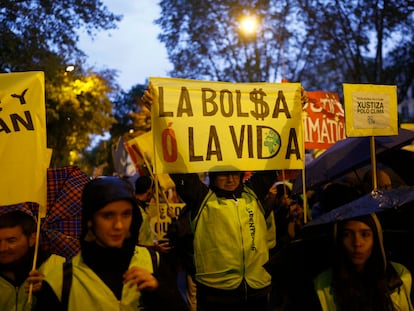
[(15, 298), (89, 292), (232, 239), (400, 296)]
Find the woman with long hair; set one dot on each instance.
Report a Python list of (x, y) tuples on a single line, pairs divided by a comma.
[(361, 277)]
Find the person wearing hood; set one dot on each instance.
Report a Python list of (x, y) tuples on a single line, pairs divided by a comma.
[(110, 271), (231, 238), (361, 277)]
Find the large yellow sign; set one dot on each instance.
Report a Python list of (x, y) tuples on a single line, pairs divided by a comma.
[(203, 126), (24, 157)]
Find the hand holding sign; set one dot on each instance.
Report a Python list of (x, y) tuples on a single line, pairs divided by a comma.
[(146, 98)]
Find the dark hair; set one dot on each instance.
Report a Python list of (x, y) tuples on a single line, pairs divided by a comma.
[(281, 189), (18, 218), (368, 287), (143, 183)]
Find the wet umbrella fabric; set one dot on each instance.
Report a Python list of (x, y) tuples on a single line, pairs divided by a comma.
[(349, 154), (374, 202), (61, 227)]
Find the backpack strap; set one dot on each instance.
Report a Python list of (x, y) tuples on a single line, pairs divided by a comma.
[(67, 283), (154, 259)]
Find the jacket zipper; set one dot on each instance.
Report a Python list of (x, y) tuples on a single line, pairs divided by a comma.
[(244, 284)]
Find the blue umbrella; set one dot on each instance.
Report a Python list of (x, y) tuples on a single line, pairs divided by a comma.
[(347, 155), (374, 202)]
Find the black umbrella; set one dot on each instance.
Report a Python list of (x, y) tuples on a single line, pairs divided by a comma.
[(374, 202), (350, 154)]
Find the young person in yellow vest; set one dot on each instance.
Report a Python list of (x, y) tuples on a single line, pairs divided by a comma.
[(17, 244), (361, 277), (111, 272)]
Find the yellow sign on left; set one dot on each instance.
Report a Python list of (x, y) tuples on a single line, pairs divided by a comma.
[(24, 156)]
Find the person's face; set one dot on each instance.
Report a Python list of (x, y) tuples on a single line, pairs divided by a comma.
[(285, 200), (358, 240), (111, 224), (146, 196), (14, 244), (227, 181), (384, 181)]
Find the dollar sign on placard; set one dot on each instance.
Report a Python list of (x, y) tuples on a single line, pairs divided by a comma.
[(261, 107)]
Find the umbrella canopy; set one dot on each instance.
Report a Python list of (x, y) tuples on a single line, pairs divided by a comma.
[(349, 154), (61, 227), (374, 202)]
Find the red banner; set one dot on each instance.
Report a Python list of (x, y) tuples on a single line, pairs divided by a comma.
[(323, 119)]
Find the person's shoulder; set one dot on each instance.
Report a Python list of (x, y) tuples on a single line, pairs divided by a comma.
[(51, 262), (400, 268), (323, 279), (56, 259), (146, 257), (324, 273), (145, 252), (139, 248)]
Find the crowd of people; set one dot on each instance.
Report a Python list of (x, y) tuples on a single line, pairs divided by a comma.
[(228, 245)]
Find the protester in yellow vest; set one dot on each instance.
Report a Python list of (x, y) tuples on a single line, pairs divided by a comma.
[(17, 241), (110, 271), (361, 277), (231, 236), (232, 239)]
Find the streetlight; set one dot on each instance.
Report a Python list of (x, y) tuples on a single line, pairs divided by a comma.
[(69, 68), (248, 25)]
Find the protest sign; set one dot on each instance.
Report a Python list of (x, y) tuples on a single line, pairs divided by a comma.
[(160, 220), (24, 157), (140, 150), (370, 110), (323, 119), (203, 126)]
